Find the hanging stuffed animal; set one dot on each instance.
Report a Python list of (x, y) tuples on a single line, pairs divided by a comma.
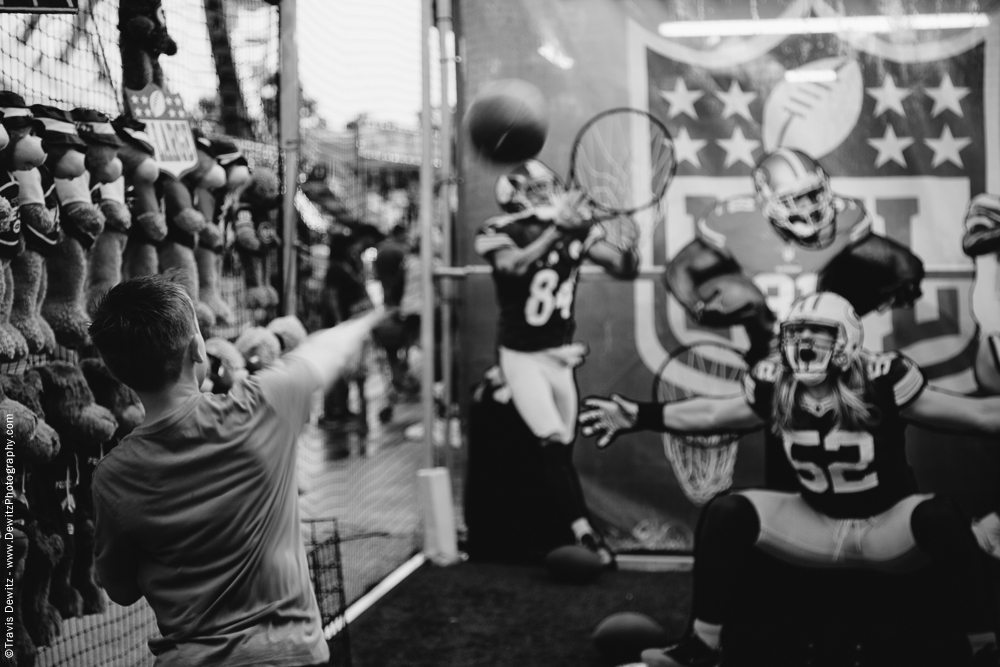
[(259, 347), (81, 222), (39, 209), (149, 227), (45, 547), (34, 443), (19, 162), (255, 235), (143, 39), (213, 204), (126, 408), (226, 366), (289, 330), (11, 245), (185, 224), (81, 424), (107, 192)]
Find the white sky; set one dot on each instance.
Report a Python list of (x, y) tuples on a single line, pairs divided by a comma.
[(363, 56), (355, 56)]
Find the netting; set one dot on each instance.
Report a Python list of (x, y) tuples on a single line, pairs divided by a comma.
[(223, 45), (702, 462)]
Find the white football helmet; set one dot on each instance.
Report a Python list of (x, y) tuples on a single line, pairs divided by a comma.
[(795, 194), (821, 333), (526, 186)]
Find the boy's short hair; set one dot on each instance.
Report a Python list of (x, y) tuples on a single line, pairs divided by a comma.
[(141, 328)]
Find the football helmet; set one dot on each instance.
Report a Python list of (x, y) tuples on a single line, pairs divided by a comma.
[(528, 185), (795, 194), (822, 333)]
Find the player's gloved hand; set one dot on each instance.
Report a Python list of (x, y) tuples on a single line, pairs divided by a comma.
[(608, 418), (568, 212), (982, 225), (987, 532)]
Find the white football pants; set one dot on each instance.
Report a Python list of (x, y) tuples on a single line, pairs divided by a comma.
[(543, 388), (791, 530)]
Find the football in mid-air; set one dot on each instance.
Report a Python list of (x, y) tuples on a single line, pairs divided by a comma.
[(623, 636), (508, 121), (573, 564), (815, 107)]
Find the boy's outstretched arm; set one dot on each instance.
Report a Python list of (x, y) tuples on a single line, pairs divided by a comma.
[(332, 351), (608, 418)]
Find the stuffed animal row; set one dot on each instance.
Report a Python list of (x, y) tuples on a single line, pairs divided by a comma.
[(65, 418), (84, 204)]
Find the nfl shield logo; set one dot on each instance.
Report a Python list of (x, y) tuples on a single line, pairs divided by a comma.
[(901, 127)]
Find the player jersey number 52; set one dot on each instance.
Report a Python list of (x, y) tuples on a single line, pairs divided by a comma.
[(840, 476), (546, 295)]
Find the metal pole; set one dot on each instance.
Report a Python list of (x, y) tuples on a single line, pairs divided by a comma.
[(289, 134), (444, 27), (426, 236)]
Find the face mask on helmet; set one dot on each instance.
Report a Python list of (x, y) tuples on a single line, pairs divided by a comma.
[(529, 185), (822, 334), (797, 199), (809, 350)]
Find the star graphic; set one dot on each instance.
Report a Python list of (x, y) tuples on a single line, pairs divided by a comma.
[(135, 99), (947, 147), (739, 148), (888, 96), (145, 99), (947, 96), (687, 148), (681, 99), (737, 101), (890, 147)]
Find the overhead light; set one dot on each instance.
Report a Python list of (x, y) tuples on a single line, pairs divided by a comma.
[(824, 24), (551, 52), (810, 75)]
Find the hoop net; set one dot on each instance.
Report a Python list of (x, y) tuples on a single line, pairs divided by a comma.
[(702, 462)]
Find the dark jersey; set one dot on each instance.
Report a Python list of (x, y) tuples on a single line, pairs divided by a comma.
[(536, 309), (51, 198), (845, 473), (11, 243), (783, 271)]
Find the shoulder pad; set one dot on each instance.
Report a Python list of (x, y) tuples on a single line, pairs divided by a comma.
[(900, 373), (766, 370)]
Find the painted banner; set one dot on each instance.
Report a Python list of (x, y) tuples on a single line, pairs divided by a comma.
[(903, 128), (905, 122)]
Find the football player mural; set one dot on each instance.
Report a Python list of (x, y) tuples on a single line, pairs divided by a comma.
[(795, 236), (841, 162), (982, 243), (820, 393), (536, 248)]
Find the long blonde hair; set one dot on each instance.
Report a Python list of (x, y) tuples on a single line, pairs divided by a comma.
[(851, 410)]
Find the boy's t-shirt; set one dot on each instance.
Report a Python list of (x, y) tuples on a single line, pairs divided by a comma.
[(204, 503)]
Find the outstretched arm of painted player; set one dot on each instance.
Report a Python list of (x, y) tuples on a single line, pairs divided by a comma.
[(607, 418), (944, 411), (695, 263)]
